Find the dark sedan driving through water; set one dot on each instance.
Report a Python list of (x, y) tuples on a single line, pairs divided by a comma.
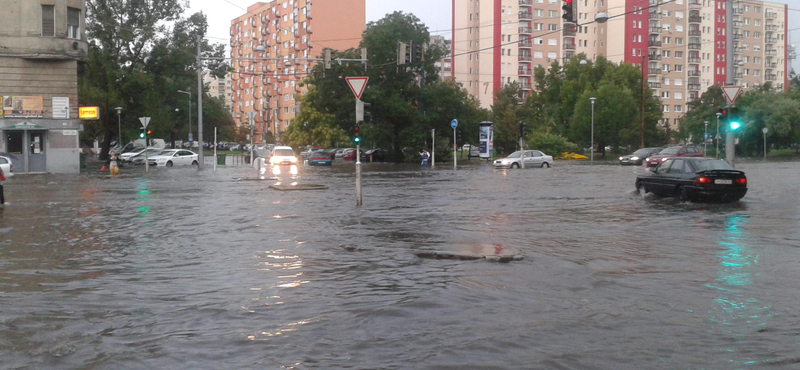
[(694, 179)]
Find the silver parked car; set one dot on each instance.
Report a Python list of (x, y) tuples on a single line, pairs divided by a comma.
[(8, 168), (532, 158)]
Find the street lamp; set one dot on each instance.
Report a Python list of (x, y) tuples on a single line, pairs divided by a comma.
[(119, 126), (717, 137), (591, 159), (190, 110), (705, 139)]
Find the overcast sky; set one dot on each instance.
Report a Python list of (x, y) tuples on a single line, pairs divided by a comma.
[(436, 14)]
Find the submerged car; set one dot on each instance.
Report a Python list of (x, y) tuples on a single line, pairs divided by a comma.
[(319, 158), (672, 152), (174, 157), (638, 157), (283, 155), (532, 158), (694, 179)]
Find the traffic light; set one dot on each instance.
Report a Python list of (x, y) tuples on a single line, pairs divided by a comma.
[(141, 135), (523, 128), (458, 136), (327, 58), (356, 137), (733, 119), (367, 112), (149, 132), (416, 54), (569, 10), (402, 53)]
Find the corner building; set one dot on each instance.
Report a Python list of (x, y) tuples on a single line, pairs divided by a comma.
[(288, 30), (41, 44), (680, 45)]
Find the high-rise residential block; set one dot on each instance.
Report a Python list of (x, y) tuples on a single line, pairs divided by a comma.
[(680, 45), (289, 32)]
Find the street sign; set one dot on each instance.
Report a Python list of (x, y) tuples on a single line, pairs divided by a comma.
[(765, 130), (706, 135), (89, 113), (731, 92), (145, 121), (191, 138), (357, 85), (454, 123)]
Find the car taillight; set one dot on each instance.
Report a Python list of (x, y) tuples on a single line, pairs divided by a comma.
[(741, 181), (702, 181), (12, 167)]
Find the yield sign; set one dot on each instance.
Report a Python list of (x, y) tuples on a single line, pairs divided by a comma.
[(357, 85), (145, 121), (731, 92)]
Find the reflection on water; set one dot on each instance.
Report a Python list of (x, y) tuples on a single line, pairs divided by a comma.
[(180, 269)]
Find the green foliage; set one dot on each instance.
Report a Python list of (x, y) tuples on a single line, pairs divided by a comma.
[(552, 144), (506, 117)]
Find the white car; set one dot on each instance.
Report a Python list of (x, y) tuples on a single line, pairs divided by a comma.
[(533, 158), (139, 159), (174, 157), (8, 168), (282, 155), (127, 157)]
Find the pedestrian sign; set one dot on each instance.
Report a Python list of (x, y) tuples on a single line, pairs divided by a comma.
[(454, 123)]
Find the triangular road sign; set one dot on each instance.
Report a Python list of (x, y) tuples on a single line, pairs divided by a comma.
[(145, 121), (731, 92), (357, 85)]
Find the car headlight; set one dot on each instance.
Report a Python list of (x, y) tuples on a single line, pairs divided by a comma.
[(293, 159), (272, 160), (634, 158), (664, 159)]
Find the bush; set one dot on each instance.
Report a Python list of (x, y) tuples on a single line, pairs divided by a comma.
[(551, 144)]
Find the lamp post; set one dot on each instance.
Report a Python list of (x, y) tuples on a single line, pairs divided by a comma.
[(591, 159), (119, 126), (717, 137), (705, 139), (190, 108)]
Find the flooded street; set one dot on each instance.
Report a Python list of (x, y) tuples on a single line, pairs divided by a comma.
[(182, 270)]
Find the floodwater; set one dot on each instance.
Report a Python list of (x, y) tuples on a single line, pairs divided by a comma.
[(180, 270)]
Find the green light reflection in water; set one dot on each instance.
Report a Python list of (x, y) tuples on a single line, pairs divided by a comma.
[(737, 313), (143, 196)]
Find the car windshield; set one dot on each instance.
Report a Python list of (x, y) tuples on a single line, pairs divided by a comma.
[(283, 152), (641, 152), (713, 164), (514, 155), (669, 151)]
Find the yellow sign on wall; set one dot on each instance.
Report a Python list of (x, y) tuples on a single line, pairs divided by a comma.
[(89, 113)]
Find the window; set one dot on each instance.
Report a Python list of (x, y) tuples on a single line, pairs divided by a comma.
[(552, 42), (679, 68), (665, 94), (538, 26), (73, 23), (48, 21), (678, 95), (677, 166), (665, 108), (552, 27), (679, 108), (552, 13), (678, 82)]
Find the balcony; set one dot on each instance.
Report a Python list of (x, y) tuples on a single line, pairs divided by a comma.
[(525, 30), (694, 60), (526, 2), (771, 27), (694, 87), (653, 71), (738, 75), (655, 30), (771, 65), (569, 46), (695, 4), (655, 15), (771, 40), (737, 10), (737, 24), (525, 44), (738, 36), (770, 52), (525, 58), (654, 43), (738, 50), (694, 46), (695, 19), (695, 33), (569, 30), (771, 15), (525, 71), (525, 16), (654, 85), (693, 73), (772, 77), (524, 86), (654, 57)]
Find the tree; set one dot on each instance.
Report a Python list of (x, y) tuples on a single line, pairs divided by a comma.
[(506, 117)]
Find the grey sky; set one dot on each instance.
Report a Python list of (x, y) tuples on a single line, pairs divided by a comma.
[(436, 14)]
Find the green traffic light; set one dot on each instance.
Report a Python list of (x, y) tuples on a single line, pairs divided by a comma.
[(735, 125), (357, 139), (141, 135)]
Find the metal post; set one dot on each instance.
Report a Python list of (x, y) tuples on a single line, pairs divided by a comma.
[(455, 157), (717, 137), (521, 153), (199, 107), (358, 175), (730, 148), (705, 140), (215, 149), (146, 161), (644, 89), (119, 128), (251, 116), (591, 159), (433, 147), (765, 142)]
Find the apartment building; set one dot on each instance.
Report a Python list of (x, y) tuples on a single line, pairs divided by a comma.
[(284, 34), (444, 66), (42, 43), (220, 88), (680, 45)]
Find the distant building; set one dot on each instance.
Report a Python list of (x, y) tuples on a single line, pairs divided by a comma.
[(41, 44), (287, 30), (220, 88), (444, 66)]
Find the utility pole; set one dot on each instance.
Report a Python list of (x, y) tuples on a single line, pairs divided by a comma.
[(644, 90), (717, 137), (119, 128), (730, 141), (199, 107), (433, 147), (591, 159), (705, 140), (250, 119)]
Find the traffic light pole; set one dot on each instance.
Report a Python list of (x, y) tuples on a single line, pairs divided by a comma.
[(730, 141), (359, 118)]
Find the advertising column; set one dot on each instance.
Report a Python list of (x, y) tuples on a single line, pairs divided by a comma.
[(486, 136)]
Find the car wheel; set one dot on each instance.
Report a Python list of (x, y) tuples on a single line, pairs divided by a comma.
[(640, 187), (683, 195), (514, 165), (169, 164), (194, 163), (545, 164)]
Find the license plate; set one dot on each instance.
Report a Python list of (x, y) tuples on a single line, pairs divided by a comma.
[(723, 182)]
